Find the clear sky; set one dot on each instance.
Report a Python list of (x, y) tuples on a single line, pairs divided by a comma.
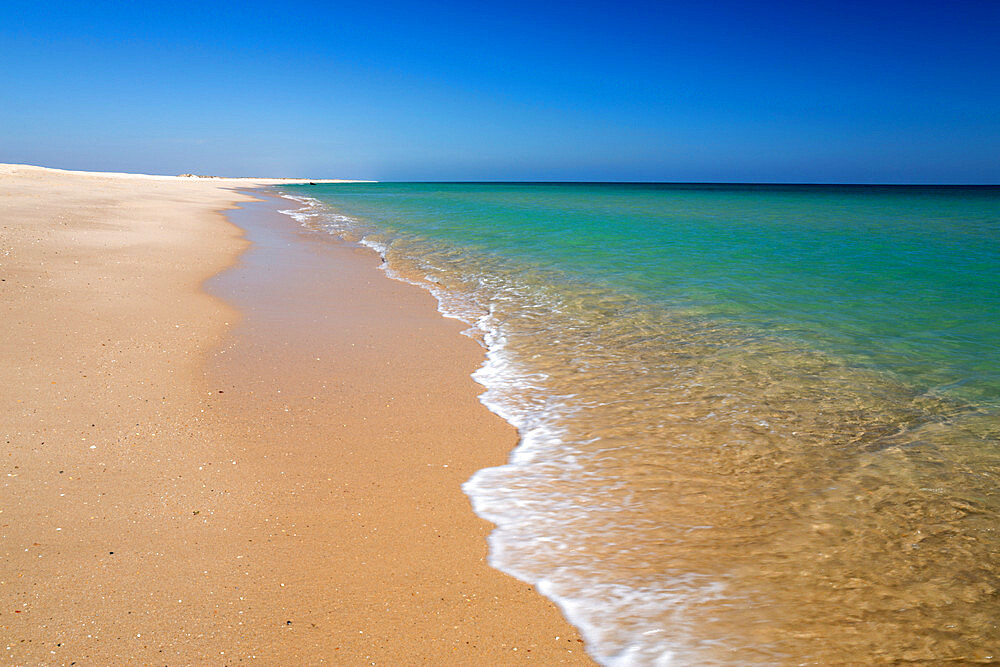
[(800, 91)]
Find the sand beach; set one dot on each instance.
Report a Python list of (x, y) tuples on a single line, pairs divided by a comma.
[(225, 444)]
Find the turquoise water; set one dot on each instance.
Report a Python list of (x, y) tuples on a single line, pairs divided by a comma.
[(904, 278), (759, 423)]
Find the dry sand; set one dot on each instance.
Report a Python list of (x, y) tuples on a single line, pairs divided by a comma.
[(272, 477)]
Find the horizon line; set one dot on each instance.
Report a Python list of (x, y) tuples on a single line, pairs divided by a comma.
[(591, 182)]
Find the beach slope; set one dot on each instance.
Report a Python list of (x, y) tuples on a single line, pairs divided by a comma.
[(173, 495)]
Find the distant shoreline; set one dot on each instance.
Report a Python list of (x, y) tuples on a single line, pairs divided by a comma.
[(247, 181)]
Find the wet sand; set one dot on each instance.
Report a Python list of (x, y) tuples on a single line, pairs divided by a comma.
[(269, 474)]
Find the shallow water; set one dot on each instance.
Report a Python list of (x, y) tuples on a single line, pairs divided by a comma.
[(759, 423)]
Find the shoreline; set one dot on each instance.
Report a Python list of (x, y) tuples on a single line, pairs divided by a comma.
[(323, 321), (141, 519)]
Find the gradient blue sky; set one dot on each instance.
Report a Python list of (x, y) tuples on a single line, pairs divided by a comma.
[(700, 91)]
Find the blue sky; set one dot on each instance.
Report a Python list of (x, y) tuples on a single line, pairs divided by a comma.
[(701, 91)]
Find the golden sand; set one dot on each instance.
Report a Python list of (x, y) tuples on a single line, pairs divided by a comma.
[(268, 476)]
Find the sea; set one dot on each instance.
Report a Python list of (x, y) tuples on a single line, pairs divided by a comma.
[(759, 424)]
